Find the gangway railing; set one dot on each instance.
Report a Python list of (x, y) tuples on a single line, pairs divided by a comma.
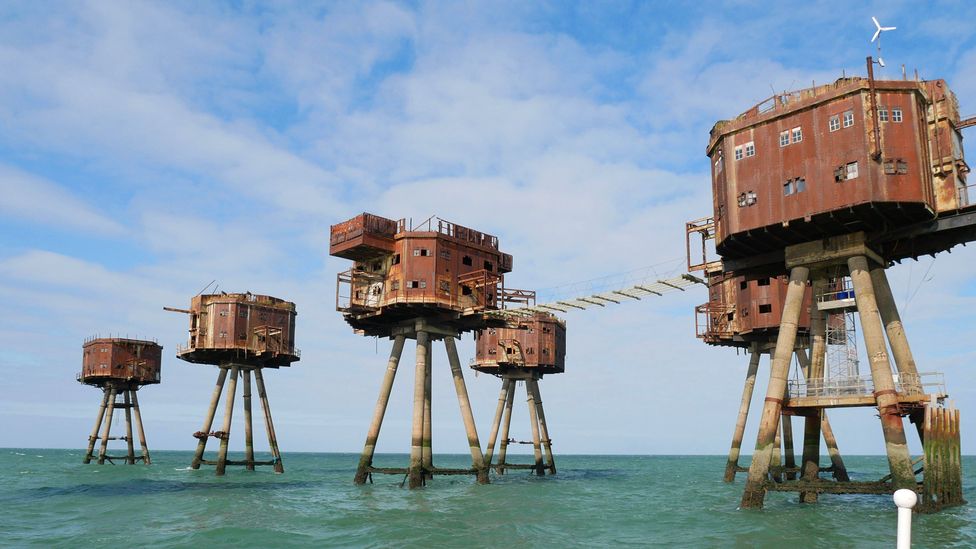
[(850, 386)]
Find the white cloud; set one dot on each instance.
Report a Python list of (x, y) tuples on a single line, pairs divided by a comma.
[(32, 198)]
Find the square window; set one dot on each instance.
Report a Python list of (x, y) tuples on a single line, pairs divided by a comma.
[(738, 153), (852, 170), (797, 135), (765, 309), (835, 122), (902, 167), (743, 285), (445, 286), (414, 284), (788, 188), (395, 285), (763, 282), (750, 149), (784, 138), (801, 184), (848, 119), (896, 115), (742, 200), (883, 114), (423, 283)]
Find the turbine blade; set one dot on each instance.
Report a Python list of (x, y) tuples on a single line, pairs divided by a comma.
[(888, 28), (875, 19), (876, 33)]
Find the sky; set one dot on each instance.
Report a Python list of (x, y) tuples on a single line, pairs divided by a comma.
[(147, 149)]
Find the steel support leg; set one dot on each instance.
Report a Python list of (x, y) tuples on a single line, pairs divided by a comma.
[(130, 456), (366, 459), (544, 429), (885, 392), (416, 472), (279, 467), (109, 414), (248, 424), (428, 456), (755, 491), (228, 416), (477, 458), (506, 426), (98, 423), (208, 421), (496, 422), (732, 465), (538, 467), (142, 432)]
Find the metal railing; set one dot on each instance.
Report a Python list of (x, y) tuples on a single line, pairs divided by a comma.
[(905, 384), (712, 321)]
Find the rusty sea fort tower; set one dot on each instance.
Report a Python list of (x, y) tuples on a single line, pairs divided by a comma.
[(524, 351), (816, 193), (119, 366), (241, 334), (432, 281)]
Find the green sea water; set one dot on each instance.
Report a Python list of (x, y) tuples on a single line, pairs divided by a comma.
[(49, 498)]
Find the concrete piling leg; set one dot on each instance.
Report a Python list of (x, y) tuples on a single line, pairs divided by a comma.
[(109, 414), (899, 460), (208, 421), (836, 461), (534, 419), (415, 472), (776, 461), (789, 455), (279, 467), (248, 425), (901, 351), (544, 429), (98, 423), (228, 416), (506, 425), (366, 459), (477, 458), (732, 465), (142, 432), (496, 422), (130, 456), (427, 454), (810, 466), (755, 490)]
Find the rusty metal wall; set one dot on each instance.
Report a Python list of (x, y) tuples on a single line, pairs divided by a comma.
[(119, 359), (537, 343), (760, 191), (244, 322)]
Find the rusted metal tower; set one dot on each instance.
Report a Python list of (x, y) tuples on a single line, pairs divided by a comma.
[(522, 352), (427, 282), (118, 365), (241, 334), (745, 313), (840, 181)]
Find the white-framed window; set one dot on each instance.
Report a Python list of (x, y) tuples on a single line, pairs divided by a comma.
[(883, 114), (852, 170), (848, 119), (834, 122), (797, 134), (784, 138), (750, 149), (896, 115), (738, 153)]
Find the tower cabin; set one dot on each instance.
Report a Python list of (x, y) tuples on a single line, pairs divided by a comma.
[(536, 344), (855, 155), (440, 271), (119, 360), (119, 367), (241, 328)]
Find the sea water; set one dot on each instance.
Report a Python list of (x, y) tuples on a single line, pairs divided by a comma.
[(48, 498)]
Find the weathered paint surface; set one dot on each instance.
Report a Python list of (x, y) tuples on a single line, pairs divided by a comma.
[(132, 361), (805, 165), (243, 328), (537, 343)]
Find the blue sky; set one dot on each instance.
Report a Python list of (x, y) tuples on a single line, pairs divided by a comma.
[(149, 148)]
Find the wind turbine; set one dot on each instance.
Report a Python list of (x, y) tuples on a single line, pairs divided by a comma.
[(877, 36)]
